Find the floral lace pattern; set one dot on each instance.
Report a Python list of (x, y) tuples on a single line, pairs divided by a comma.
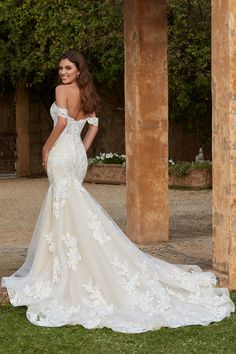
[(51, 242), (98, 231), (96, 303), (92, 120), (136, 297), (51, 313), (64, 158), (62, 112), (14, 297), (56, 269), (62, 180), (73, 256), (39, 290)]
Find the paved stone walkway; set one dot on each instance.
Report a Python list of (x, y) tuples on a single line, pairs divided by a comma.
[(190, 222)]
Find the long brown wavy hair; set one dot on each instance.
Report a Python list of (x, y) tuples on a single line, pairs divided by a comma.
[(90, 100)]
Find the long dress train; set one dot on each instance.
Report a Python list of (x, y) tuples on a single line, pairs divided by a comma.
[(82, 269)]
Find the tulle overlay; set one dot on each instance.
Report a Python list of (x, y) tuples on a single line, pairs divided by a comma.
[(82, 269)]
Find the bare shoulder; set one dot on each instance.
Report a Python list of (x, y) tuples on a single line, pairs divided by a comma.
[(64, 90), (61, 89), (61, 95)]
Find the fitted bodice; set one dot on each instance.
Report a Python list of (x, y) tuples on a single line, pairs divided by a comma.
[(74, 127), (67, 160)]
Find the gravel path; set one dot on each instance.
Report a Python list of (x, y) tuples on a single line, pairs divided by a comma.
[(190, 221)]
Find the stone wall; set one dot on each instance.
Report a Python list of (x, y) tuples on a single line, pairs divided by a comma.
[(184, 146)]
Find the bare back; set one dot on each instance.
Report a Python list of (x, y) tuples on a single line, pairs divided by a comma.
[(72, 93)]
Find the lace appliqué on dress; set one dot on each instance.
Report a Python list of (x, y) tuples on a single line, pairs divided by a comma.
[(62, 179), (152, 301), (62, 112), (92, 120), (60, 194), (39, 290), (52, 314), (56, 269), (98, 232), (14, 297), (96, 303), (73, 255), (51, 242)]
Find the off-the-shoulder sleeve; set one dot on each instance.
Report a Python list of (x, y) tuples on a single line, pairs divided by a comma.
[(62, 112), (92, 120)]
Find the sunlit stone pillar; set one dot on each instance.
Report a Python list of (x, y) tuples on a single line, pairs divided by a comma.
[(146, 110), (22, 129), (224, 139)]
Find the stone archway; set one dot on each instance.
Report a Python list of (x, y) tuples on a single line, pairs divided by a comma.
[(146, 127)]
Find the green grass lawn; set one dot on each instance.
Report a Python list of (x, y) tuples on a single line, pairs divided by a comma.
[(17, 335)]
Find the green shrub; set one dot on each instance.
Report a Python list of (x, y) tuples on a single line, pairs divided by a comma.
[(184, 168)]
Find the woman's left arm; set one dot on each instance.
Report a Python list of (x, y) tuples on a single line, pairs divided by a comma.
[(91, 132), (58, 128), (89, 136), (56, 132)]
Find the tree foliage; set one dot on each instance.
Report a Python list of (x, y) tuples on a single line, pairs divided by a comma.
[(34, 33), (189, 23)]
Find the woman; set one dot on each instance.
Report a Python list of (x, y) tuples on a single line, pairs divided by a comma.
[(80, 267)]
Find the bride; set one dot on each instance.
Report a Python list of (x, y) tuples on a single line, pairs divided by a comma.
[(80, 267)]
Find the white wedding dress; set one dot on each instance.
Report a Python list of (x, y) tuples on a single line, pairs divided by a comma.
[(82, 269)]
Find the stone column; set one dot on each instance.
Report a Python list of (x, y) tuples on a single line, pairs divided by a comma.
[(22, 130), (224, 139), (146, 111)]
